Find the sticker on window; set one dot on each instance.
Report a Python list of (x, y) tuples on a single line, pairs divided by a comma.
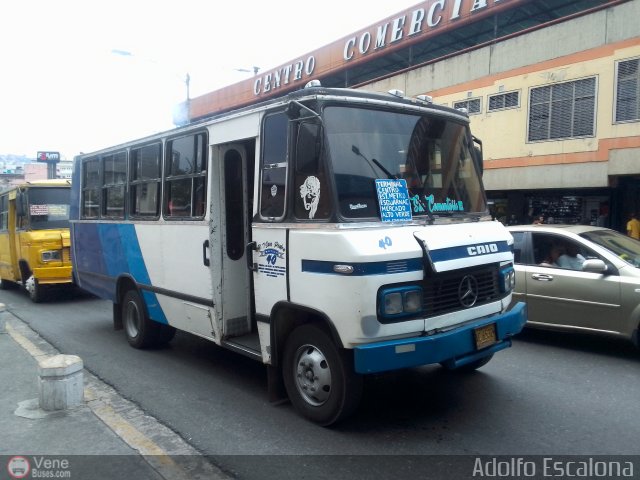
[(393, 197), (36, 210)]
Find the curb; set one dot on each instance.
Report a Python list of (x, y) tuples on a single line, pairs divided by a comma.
[(163, 449)]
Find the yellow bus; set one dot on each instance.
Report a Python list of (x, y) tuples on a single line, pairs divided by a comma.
[(34, 236)]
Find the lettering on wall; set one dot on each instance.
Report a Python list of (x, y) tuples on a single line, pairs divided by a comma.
[(420, 20), (294, 72)]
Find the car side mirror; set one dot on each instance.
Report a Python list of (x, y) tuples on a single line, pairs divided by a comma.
[(594, 265)]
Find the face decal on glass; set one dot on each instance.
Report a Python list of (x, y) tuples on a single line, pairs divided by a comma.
[(310, 193)]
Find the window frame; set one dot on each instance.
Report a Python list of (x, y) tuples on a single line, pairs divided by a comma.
[(195, 176), (457, 105), (616, 92), (108, 187), (273, 166), (134, 182), (4, 212), (97, 187), (503, 94), (551, 86)]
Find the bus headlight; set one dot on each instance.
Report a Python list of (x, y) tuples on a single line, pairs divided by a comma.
[(507, 279), (51, 256), (400, 301)]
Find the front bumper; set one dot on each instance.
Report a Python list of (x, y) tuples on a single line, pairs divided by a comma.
[(51, 275), (454, 347)]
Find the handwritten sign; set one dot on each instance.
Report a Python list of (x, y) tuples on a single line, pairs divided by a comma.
[(393, 198)]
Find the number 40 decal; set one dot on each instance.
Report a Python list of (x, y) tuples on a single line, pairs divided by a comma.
[(385, 242)]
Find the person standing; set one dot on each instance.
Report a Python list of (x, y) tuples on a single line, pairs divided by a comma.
[(633, 227)]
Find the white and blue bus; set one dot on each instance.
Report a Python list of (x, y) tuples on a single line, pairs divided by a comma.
[(327, 233)]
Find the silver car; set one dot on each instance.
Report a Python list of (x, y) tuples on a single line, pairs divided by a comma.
[(580, 278)]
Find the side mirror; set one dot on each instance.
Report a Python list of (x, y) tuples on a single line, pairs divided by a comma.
[(293, 111), (594, 265)]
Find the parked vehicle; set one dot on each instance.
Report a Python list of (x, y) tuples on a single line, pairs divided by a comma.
[(578, 278), (34, 236)]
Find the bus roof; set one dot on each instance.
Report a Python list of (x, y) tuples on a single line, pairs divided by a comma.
[(307, 93), (57, 182)]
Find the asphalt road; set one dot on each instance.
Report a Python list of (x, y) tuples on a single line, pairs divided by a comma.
[(550, 394)]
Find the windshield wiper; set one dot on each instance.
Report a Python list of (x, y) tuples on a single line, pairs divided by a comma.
[(387, 172), (389, 175)]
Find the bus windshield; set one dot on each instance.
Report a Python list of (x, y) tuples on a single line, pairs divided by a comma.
[(48, 208), (432, 153)]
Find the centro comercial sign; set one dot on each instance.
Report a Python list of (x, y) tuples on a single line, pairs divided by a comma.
[(410, 26), (393, 31), (414, 23)]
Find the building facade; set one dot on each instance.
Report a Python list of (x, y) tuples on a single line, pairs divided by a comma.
[(552, 88), (558, 110)]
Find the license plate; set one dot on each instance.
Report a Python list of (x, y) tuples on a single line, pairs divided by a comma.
[(485, 336)]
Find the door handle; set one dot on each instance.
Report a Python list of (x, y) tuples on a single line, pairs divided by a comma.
[(542, 277), (248, 250), (205, 259)]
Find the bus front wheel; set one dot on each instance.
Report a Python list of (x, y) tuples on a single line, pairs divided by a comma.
[(34, 289), (140, 330), (319, 377)]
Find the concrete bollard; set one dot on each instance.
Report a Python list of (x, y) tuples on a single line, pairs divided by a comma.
[(3, 318), (61, 384)]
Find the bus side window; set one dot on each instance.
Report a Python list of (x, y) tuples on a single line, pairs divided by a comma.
[(114, 180), (274, 166), (90, 207), (185, 182), (312, 200), (4, 212), (145, 181)]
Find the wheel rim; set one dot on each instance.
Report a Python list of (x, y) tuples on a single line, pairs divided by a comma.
[(30, 286), (132, 319), (312, 375)]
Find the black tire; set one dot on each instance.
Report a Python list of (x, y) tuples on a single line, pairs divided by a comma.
[(34, 289), (7, 284), (319, 377), (141, 331), (470, 367)]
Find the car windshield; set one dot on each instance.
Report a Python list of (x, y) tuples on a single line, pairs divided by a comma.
[(627, 248), (49, 208), (432, 153)]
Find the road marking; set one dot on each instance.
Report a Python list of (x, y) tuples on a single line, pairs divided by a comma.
[(24, 342), (99, 399)]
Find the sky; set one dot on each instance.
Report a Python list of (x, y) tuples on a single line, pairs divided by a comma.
[(63, 89)]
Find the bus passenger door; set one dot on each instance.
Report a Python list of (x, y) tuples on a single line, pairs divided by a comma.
[(236, 176), (7, 239)]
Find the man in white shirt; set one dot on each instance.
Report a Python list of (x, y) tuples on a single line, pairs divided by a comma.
[(572, 259)]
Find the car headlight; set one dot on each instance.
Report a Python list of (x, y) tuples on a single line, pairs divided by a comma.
[(400, 301), (507, 279), (51, 256)]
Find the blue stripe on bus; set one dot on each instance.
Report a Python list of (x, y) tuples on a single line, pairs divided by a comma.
[(407, 265), (114, 251), (364, 268), (466, 251)]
